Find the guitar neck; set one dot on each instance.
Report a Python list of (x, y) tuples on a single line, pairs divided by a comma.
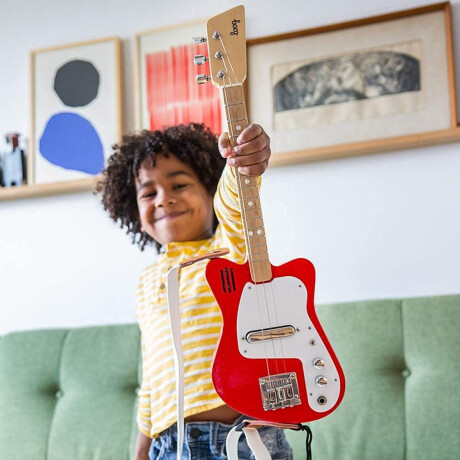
[(248, 190)]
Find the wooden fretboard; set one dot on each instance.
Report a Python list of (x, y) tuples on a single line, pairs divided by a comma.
[(248, 190)]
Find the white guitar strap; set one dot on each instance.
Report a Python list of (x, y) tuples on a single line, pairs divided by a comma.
[(172, 283), (252, 435), (250, 429), (253, 440)]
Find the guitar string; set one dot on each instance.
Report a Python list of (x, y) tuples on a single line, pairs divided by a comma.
[(229, 118), (264, 285), (280, 341), (243, 210), (271, 287)]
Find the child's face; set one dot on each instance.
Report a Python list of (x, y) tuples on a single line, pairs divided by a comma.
[(172, 202)]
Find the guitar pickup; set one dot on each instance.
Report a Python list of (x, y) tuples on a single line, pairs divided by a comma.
[(279, 391), (270, 333)]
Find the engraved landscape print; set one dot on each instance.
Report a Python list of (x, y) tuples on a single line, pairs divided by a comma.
[(348, 87)]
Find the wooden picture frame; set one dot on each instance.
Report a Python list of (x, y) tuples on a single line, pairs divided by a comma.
[(76, 116), (321, 94), (166, 91)]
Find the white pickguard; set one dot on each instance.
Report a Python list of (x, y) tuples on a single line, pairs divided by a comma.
[(283, 302)]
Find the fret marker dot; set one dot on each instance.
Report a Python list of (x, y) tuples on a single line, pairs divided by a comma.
[(246, 181), (259, 232), (250, 203), (251, 233), (238, 127)]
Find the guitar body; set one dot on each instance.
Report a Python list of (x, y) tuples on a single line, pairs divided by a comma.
[(247, 355)]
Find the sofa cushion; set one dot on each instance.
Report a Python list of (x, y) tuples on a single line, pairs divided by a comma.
[(69, 394), (369, 423), (29, 376), (432, 349), (393, 353)]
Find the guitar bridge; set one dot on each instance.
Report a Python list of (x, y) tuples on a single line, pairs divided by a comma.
[(279, 391)]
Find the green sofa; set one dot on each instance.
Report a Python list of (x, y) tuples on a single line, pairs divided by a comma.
[(71, 394)]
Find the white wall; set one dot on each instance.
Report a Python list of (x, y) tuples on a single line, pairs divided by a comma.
[(375, 226)]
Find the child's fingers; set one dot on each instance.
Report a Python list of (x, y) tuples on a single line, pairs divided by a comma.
[(250, 159), (251, 152), (254, 170), (253, 146), (225, 147), (252, 139), (249, 133), (260, 142)]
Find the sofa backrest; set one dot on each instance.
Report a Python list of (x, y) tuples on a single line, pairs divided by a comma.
[(402, 369), (71, 394)]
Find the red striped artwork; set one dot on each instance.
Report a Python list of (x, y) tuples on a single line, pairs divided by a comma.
[(173, 96)]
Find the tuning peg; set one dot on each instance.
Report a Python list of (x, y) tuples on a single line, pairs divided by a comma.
[(202, 78), (199, 60), (199, 40)]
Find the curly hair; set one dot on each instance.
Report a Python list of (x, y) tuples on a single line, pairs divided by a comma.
[(193, 144)]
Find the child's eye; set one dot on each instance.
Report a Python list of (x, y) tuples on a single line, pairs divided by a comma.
[(179, 186), (149, 194)]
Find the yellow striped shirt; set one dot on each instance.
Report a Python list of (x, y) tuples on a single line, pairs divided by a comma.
[(200, 320)]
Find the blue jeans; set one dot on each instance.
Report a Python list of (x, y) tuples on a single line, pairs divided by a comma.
[(206, 441)]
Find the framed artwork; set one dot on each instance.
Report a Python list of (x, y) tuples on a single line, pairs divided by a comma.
[(76, 113), (370, 85), (167, 92)]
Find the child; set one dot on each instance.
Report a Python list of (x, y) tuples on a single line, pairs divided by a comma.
[(172, 189)]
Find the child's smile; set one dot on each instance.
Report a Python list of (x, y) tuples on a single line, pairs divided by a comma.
[(170, 216), (173, 204)]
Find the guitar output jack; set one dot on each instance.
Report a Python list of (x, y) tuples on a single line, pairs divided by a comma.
[(322, 400)]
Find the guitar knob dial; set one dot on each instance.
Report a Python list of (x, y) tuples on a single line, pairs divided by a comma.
[(318, 363), (321, 381)]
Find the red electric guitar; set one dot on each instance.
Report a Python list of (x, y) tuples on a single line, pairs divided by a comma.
[(274, 361)]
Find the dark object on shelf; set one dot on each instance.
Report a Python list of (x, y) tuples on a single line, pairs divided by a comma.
[(13, 163)]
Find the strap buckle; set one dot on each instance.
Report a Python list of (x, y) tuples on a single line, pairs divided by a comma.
[(251, 423), (208, 255)]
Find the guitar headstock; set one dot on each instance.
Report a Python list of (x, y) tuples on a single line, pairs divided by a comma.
[(226, 37)]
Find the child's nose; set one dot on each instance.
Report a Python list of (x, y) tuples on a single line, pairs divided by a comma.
[(164, 198)]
